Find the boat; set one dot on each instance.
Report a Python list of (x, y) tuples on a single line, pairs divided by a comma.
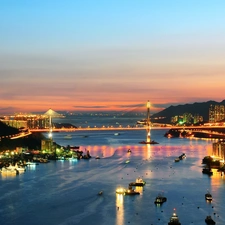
[(208, 196), (128, 191), (174, 220), (139, 182), (143, 122), (209, 220), (20, 168), (177, 159), (116, 134), (31, 164), (160, 199), (182, 156), (120, 190), (148, 142), (131, 191), (68, 136), (100, 192)]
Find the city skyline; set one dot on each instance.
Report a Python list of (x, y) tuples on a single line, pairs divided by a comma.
[(110, 55)]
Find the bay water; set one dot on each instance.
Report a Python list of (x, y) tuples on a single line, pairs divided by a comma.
[(66, 192)]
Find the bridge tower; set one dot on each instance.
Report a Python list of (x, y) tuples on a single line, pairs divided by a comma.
[(148, 122)]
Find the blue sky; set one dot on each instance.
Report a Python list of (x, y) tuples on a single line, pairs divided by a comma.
[(106, 54)]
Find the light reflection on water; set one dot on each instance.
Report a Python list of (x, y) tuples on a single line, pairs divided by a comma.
[(120, 209), (65, 192)]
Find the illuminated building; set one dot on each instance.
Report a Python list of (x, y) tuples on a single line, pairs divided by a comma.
[(27, 121), (198, 118), (218, 149), (187, 118), (216, 113)]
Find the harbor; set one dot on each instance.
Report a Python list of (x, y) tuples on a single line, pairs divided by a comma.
[(67, 191)]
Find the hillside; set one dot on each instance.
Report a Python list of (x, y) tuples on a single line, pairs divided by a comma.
[(201, 108), (7, 130), (32, 141)]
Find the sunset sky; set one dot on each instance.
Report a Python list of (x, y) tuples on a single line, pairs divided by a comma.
[(102, 55)]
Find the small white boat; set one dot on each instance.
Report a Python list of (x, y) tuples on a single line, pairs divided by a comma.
[(31, 164), (116, 134), (20, 168), (68, 136), (208, 196)]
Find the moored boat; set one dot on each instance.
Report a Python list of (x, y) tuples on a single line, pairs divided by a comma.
[(9, 170)]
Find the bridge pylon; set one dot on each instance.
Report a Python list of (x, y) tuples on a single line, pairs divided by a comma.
[(148, 122)]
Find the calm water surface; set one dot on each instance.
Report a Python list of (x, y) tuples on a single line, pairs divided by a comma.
[(66, 192)]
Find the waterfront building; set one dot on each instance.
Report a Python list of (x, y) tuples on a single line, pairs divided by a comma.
[(218, 149), (27, 121), (48, 145)]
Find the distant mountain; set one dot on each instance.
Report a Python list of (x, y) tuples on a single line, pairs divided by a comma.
[(201, 108)]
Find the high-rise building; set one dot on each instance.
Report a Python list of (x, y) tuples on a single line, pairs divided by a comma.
[(198, 118), (187, 118), (216, 113), (27, 121)]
